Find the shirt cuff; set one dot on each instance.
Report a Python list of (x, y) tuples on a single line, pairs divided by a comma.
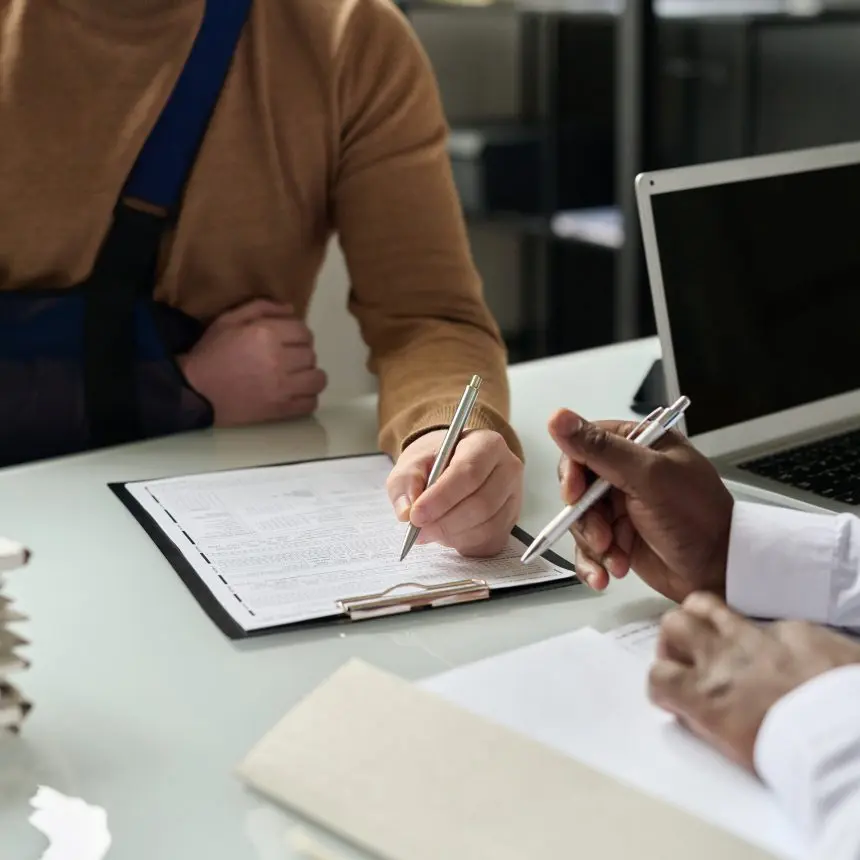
[(781, 562), (807, 747)]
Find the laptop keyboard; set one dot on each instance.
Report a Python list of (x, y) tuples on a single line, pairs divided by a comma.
[(829, 468)]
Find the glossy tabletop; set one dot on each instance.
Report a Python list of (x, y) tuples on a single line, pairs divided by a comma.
[(144, 708)]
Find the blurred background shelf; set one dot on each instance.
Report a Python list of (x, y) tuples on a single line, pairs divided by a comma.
[(602, 227), (668, 9), (598, 91)]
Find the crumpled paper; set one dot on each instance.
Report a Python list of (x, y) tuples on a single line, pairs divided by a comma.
[(75, 830)]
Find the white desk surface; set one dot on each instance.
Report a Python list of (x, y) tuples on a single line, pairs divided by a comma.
[(143, 707)]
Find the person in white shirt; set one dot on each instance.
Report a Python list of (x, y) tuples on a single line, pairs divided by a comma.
[(781, 699)]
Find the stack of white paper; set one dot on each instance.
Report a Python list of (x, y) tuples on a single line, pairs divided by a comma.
[(13, 706), (584, 694)]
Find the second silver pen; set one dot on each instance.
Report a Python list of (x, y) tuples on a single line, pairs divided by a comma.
[(458, 423)]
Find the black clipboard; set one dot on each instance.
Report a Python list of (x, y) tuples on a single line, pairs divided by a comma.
[(469, 591)]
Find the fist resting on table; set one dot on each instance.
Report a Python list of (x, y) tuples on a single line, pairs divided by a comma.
[(254, 364), (721, 675)]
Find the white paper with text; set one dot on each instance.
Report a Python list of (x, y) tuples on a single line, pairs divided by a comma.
[(282, 544), (639, 637)]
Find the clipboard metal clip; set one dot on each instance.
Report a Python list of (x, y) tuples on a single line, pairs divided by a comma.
[(389, 603)]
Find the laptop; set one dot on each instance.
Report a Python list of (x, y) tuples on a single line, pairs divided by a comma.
[(755, 274)]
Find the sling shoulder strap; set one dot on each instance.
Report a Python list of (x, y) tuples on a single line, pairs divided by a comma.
[(125, 269), (165, 161)]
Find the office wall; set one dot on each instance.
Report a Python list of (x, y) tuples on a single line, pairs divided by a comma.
[(340, 349), (475, 58), (809, 81)]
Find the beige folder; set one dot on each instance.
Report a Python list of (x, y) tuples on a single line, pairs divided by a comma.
[(408, 776)]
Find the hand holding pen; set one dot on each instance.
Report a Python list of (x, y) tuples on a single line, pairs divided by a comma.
[(459, 487), (446, 450), (667, 516), (645, 434)]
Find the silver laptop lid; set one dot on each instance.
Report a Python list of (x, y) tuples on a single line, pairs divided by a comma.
[(755, 273)]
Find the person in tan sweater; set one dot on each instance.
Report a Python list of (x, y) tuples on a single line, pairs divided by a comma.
[(328, 121)]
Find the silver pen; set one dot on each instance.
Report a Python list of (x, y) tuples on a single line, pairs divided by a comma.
[(452, 437), (647, 432)]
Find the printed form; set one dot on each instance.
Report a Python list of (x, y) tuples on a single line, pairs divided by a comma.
[(281, 544), (639, 637)]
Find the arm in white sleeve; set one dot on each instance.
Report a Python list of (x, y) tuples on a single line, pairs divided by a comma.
[(808, 753), (840, 840), (792, 564)]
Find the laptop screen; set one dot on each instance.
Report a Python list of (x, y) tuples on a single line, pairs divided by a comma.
[(762, 287)]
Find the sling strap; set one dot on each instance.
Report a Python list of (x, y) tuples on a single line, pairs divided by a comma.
[(120, 289), (166, 159)]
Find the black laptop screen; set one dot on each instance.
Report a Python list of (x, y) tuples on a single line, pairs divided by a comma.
[(762, 284)]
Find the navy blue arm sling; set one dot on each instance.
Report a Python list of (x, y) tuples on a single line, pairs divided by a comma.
[(95, 364)]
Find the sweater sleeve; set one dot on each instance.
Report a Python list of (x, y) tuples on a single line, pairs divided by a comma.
[(414, 288)]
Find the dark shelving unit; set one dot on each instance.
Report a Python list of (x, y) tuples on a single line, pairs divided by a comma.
[(614, 88), (581, 164)]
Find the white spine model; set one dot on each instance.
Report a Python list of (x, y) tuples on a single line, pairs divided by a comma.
[(13, 706)]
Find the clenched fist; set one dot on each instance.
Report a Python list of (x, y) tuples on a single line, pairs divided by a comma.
[(720, 674), (254, 364)]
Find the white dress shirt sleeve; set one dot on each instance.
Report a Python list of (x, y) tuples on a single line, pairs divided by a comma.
[(808, 753), (792, 564)]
